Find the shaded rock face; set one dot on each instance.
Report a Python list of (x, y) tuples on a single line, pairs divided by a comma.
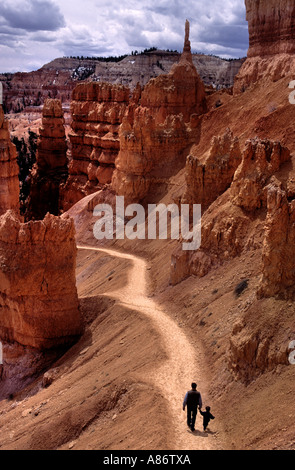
[(97, 111), (271, 42), (261, 159), (271, 27), (156, 136), (278, 252), (9, 170), (206, 181), (22, 365), (51, 168), (150, 153), (257, 345), (38, 295), (228, 225)]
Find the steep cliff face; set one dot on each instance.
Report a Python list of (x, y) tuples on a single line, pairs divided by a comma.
[(271, 27), (156, 136), (261, 159), (51, 168), (97, 111), (9, 170), (278, 276), (271, 37), (38, 295), (206, 181), (231, 223)]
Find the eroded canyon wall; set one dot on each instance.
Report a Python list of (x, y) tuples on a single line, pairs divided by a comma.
[(97, 112), (38, 295), (271, 53), (51, 168), (9, 170), (229, 225)]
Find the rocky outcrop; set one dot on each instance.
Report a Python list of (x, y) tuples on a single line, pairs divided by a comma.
[(271, 42), (156, 136), (51, 168), (150, 153), (25, 90), (278, 267), (179, 92), (97, 111), (257, 345), (229, 224), (206, 181), (38, 295), (261, 159), (271, 27), (9, 170)]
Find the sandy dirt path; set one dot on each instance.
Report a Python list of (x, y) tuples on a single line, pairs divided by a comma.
[(175, 375)]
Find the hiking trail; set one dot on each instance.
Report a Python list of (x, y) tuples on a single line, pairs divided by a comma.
[(174, 376)]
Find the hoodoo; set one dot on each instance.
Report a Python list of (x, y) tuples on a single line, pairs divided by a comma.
[(97, 111), (156, 136), (51, 168), (9, 182)]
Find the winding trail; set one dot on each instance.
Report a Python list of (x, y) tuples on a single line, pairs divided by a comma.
[(175, 375)]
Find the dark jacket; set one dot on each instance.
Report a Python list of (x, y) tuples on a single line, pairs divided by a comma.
[(207, 416), (192, 400)]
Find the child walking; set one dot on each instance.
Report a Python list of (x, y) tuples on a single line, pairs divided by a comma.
[(207, 416)]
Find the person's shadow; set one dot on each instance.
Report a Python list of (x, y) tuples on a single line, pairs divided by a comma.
[(198, 433)]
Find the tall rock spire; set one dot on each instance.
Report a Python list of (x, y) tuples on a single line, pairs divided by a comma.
[(187, 43), (187, 54), (9, 187)]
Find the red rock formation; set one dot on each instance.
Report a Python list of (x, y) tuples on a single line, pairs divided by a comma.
[(278, 253), (181, 91), (206, 181), (271, 27), (261, 159), (156, 136), (150, 153), (271, 52), (229, 224), (51, 168), (38, 295), (9, 170), (97, 110)]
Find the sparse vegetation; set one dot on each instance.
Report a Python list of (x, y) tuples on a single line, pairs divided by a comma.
[(26, 157)]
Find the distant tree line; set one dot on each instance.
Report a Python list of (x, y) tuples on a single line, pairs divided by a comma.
[(101, 59), (117, 58)]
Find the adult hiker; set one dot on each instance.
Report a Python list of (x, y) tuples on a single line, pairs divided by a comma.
[(192, 401)]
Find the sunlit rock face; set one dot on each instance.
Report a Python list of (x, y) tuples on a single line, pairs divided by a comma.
[(9, 182), (155, 137), (271, 51)]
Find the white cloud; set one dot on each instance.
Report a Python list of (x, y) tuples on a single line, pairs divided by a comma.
[(46, 29)]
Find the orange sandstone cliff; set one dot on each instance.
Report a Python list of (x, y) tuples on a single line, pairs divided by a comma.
[(39, 314), (51, 168), (271, 52), (97, 112), (155, 137), (9, 187)]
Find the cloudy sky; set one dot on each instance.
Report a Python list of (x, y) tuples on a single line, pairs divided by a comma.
[(34, 32)]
